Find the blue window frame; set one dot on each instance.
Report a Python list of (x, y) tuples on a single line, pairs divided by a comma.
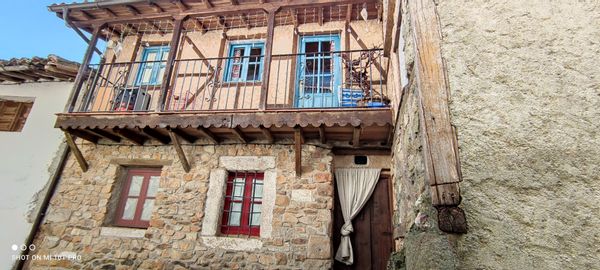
[(152, 66), (245, 62)]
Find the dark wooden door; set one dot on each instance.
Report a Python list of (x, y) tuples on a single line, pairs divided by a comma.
[(371, 240)]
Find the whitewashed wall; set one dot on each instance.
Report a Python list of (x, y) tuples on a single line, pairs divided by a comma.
[(25, 159)]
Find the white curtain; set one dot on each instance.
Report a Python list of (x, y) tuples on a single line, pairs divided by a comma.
[(355, 186)]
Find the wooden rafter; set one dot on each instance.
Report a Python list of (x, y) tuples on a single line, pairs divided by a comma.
[(185, 135), (322, 135), (131, 135), (109, 12), (155, 7), (75, 150), (356, 137), (105, 134), (208, 135), (80, 133), (239, 135), (87, 15), (179, 150), (208, 4), (132, 10), (267, 134), (181, 5), (152, 133)]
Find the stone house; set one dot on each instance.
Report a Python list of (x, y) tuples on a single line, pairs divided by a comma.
[(316, 134)]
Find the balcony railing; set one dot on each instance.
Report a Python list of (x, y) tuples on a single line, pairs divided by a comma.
[(343, 79)]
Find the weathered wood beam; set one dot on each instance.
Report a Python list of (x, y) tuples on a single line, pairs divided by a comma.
[(155, 7), (131, 135), (201, 26), (438, 143), (267, 60), (21, 76), (209, 135), (320, 16), (105, 134), (184, 135), (77, 85), (109, 12), (322, 135), (298, 139), (348, 13), (11, 79), (267, 134), (132, 10), (84, 135), (356, 137), (181, 5), (180, 152), (173, 49), (75, 150), (208, 4), (152, 133), (239, 135), (234, 2), (388, 29), (87, 15)]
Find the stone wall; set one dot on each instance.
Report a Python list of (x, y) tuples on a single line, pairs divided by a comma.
[(301, 216), (526, 101)]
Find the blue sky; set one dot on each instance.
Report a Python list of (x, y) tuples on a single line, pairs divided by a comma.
[(28, 29)]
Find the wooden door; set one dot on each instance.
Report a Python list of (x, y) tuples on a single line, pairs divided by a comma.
[(372, 241)]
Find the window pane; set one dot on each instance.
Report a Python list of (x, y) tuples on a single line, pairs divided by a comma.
[(153, 186), (151, 56), (129, 210), (159, 75), (326, 65), (235, 214), (237, 55), (147, 210), (252, 72), (256, 52), (311, 66), (257, 190), (255, 215), (136, 185), (147, 73), (312, 47), (165, 55), (238, 189)]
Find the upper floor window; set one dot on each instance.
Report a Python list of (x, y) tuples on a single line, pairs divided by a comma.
[(152, 66), (13, 114), (137, 197), (243, 201), (245, 62)]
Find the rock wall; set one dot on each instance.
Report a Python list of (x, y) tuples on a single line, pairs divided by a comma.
[(78, 221), (525, 98)]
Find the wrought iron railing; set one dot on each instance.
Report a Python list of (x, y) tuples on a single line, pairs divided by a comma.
[(342, 79)]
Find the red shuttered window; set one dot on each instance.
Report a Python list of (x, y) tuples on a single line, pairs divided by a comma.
[(137, 198), (243, 203)]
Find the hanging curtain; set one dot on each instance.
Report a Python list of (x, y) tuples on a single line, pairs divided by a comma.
[(355, 186)]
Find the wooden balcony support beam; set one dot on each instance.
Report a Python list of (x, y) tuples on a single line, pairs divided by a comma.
[(79, 80), (180, 152), (109, 12), (239, 135), (356, 137), (105, 134), (184, 135), (152, 133), (322, 135), (132, 10), (75, 150), (181, 5), (267, 134), (267, 61), (298, 139), (131, 135), (173, 46), (208, 135), (155, 7), (84, 135)]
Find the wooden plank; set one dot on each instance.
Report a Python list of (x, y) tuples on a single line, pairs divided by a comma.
[(239, 135), (170, 63), (381, 225), (156, 7), (179, 150), (356, 137), (134, 11), (348, 14), (388, 30), (131, 135), (298, 150), (292, 75), (438, 142), (78, 156), (207, 134), (267, 134), (218, 70), (322, 134), (156, 135), (84, 135), (267, 60), (110, 13), (105, 134), (320, 16)]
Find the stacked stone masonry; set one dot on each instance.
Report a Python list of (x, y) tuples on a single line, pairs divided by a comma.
[(78, 221)]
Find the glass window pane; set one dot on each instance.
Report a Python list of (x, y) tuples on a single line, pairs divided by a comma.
[(237, 55), (135, 186), (153, 186), (255, 215), (150, 56), (129, 210), (147, 210), (256, 52), (310, 84), (257, 190), (235, 214), (325, 85), (311, 47), (147, 73), (165, 55), (238, 188), (311, 66), (159, 75), (326, 65), (252, 72)]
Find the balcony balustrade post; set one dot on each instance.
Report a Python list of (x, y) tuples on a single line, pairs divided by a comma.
[(78, 83), (173, 46), (267, 60)]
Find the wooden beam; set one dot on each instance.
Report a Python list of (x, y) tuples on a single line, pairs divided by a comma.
[(298, 150), (181, 5), (156, 135), (173, 46), (131, 135), (105, 134), (267, 61), (209, 135), (87, 15), (356, 137), (234, 2), (20, 75), (208, 4), (320, 16), (132, 10), (75, 150), (11, 79), (267, 134), (388, 29), (184, 135), (322, 135), (438, 143), (239, 135), (179, 150), (84, 135), (79, 80), (155, 7), (109, 12), (348, 13), (201, 25)]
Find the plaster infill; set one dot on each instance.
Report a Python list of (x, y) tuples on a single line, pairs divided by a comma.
[(213, 208)]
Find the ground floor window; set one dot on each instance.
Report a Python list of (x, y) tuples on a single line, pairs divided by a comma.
[(137, 197), (243, 201)]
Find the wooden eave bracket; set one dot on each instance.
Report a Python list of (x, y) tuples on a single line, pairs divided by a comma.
[(179, 150), (75, 150)]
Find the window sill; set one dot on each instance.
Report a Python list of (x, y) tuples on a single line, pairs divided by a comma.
[(122, 232), (232, 243)]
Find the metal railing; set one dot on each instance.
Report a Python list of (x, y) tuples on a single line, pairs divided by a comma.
[(342, 79)]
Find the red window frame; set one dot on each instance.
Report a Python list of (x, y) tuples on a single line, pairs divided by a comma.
[(136, 222), (247, 200)]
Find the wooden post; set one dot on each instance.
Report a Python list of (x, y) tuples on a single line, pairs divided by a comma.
[(179, 150), (170, 63), (267, 60), (78, 156), (298, 150), (438, 140), (84, 65)]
